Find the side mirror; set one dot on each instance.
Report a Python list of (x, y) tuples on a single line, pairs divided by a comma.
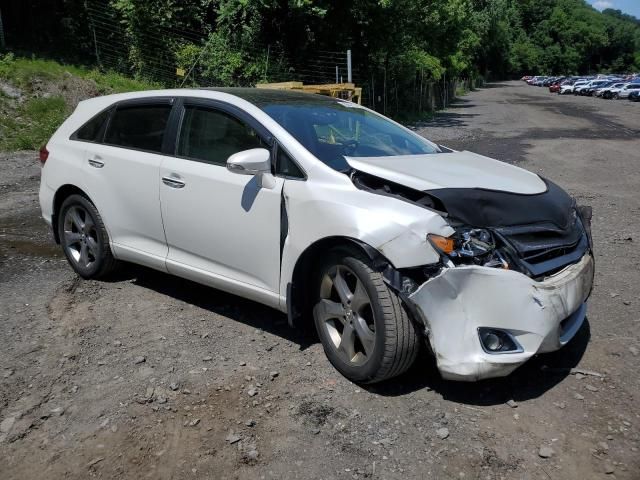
[(250, 162)]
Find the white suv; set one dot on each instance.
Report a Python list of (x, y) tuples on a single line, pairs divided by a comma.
[(624, 92), (571, 87), (331, 213)]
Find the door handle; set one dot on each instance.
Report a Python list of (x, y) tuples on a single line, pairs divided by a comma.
[(173, 182), (96, 162)]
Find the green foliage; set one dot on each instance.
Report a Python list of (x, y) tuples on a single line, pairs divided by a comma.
[(35, 121), (569, 36), (113, 82), (226, 40), (140, 18), (23, 72), (399, 46), (226, 65)]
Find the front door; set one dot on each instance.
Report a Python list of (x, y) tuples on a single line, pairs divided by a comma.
[(222, 228)]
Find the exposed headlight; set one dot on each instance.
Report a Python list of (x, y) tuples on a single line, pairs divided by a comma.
[(475, 243), (470, 245)]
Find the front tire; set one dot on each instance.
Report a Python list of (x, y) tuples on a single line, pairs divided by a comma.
[(365, 330), (84, 238)]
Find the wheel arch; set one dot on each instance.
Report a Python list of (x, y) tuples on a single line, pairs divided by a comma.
[(64, 192), (298, 294)]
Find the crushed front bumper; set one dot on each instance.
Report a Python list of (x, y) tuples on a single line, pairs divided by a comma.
[(542, 316)]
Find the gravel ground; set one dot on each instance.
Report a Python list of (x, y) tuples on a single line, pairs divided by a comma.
[(148, 375)]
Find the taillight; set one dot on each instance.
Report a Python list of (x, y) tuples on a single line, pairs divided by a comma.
[(44, 154)]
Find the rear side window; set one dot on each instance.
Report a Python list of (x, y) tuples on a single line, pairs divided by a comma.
[(141, 127), (93, 130), (213, 136)]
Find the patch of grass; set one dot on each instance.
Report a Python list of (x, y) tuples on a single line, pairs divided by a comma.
[(33, 123), (22, 72), (112, 82)]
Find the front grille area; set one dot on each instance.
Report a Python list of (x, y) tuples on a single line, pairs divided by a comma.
[(542, 249)]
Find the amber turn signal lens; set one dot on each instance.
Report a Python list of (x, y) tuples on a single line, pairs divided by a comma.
[(444, 244)]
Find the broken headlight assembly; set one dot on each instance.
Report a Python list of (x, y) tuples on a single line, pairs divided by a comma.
[(469, 246)]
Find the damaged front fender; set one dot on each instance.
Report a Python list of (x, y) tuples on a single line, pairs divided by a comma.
[(398, 230)]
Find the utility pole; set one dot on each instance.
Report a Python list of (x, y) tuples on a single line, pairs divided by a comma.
[(349, 76), (1, 32)]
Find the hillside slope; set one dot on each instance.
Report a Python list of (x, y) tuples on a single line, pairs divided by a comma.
[(37, 95)]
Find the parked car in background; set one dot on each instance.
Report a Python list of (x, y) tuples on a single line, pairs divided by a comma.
[(578, 84), (331, 213), (554, 85), (627, 89), (580, 89), (566, 86), (612, 91), (593, 86), (634, 96), (538, 81), (599, 91)]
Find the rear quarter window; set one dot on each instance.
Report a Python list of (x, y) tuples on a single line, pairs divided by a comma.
[(93, 130)]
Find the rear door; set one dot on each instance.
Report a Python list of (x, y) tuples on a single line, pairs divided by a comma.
[(222, 228), (123, 178)]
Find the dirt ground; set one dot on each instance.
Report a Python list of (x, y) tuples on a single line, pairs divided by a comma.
[(151, 376)]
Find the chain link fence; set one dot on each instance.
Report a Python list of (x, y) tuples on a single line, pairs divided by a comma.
[(179, 57)]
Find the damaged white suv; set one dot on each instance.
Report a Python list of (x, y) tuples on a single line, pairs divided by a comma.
[(331, 213)]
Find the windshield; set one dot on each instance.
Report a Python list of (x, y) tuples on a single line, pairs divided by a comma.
[(335, 130)]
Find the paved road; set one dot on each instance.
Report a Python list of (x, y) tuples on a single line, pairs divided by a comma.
[(75, 401)]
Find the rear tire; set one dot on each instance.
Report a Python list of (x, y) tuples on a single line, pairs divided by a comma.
[(365, 330), (84, 238)]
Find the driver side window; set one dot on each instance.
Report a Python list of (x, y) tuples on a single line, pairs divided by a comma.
[(212, 136)]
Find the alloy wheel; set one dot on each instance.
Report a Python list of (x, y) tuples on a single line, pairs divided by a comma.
[(344, 312), (81, 236)]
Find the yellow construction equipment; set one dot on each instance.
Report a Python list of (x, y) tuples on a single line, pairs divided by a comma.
[(345, 91)]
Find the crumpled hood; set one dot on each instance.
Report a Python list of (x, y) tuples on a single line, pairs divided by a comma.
[(451, 170)]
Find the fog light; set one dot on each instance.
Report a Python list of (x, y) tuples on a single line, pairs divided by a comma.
[(492, 341), (498, 341)]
